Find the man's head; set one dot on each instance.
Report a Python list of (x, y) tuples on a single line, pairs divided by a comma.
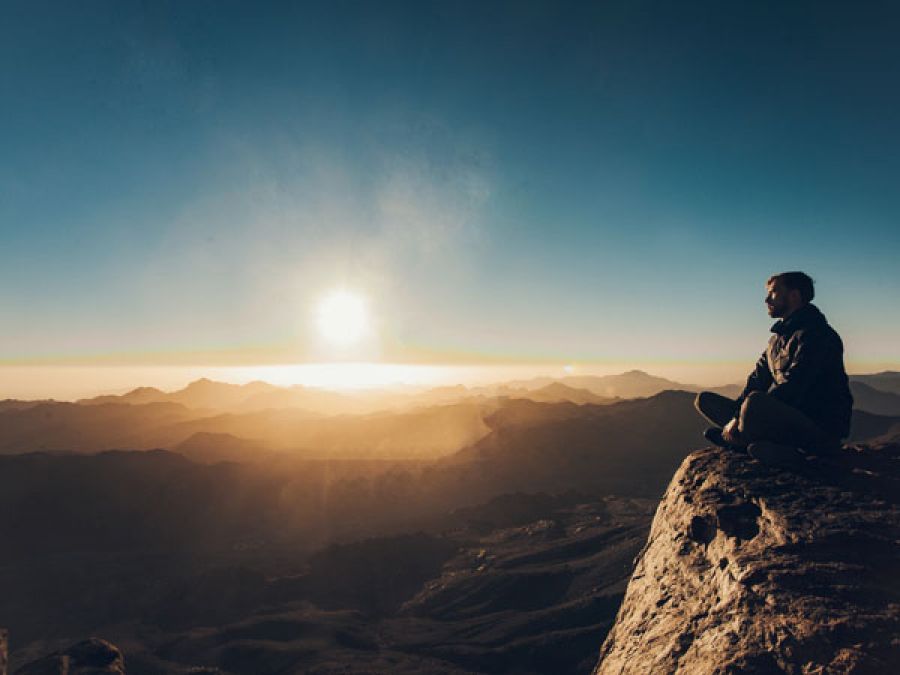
[(787, 292)]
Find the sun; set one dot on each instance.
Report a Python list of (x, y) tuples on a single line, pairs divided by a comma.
[(342, 317)]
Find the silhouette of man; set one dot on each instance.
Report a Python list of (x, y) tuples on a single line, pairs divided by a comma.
[(798, 395)]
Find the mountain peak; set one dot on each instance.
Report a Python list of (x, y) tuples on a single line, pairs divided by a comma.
[(144, 391), (753, 569), (202, 382)]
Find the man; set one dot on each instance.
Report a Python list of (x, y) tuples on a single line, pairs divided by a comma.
[(798, 396)]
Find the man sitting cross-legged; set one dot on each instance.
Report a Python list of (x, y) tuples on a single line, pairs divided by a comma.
[(798, 396)]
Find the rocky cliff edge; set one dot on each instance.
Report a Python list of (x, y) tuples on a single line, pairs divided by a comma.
[(753, 569)]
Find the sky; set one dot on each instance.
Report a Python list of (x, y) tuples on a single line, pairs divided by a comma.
[(546, 183)]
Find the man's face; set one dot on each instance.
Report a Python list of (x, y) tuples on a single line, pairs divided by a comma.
[(777, 300)]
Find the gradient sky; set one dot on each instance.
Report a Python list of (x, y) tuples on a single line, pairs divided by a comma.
[(534, 182)]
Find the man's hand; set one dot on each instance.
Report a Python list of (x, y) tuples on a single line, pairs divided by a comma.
[(730, 431)]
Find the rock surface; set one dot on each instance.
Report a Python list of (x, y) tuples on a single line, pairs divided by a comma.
[(754, 569), (89, 657)]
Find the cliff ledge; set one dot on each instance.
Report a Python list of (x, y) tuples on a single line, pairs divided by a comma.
[(752, 569)]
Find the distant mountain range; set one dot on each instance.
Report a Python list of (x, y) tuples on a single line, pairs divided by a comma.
[(869, 390), (256, 396), (631, 384), (474, 529), (205, 394), (214, 421)]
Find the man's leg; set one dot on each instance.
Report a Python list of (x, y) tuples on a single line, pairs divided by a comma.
[(764, 418), (719, 410)]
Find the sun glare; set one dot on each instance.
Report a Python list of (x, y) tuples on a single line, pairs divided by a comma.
[(342, 318)]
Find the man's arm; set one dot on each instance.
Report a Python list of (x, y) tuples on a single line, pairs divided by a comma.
[(759, 380)]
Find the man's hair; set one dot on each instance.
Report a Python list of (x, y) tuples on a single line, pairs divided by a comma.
[(795, 280)]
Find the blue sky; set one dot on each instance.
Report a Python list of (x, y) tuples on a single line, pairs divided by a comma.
[(534, 182)]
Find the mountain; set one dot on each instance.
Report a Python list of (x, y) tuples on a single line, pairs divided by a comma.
[(874, 400), (15, 404), (752, 569), (174, 544), (630, 447), (69, 426), (407, 432), (877, 393), (209, 448), (208, 396), (138, 396), (151, 499), (870, 427), (417, 433), (632, 384), (202, 393), (888, 381), (420, 432), (510, 553), (557, 392)]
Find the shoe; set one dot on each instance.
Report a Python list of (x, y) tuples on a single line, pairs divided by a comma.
[(781, 456), (714, 436)]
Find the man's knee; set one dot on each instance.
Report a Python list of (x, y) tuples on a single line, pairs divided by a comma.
[(716, 408), (707, 402), (699, 400)]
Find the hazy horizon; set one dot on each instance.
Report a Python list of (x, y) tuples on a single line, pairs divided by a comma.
[(71, 382)]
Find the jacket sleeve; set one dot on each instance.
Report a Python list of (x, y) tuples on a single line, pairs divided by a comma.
[(806, 364), (760, 379)]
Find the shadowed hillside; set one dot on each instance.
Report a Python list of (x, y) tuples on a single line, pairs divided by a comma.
[(419, 433), (520, 584), (873, 400), (158, 540), (888, 381), (508, 555)]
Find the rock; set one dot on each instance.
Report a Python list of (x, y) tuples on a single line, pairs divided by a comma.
[(89, 657), (752, 569)]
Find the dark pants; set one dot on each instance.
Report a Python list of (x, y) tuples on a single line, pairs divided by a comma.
[(763, 418)]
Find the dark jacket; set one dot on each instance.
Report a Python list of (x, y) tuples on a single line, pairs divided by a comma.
[(805, 363)]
